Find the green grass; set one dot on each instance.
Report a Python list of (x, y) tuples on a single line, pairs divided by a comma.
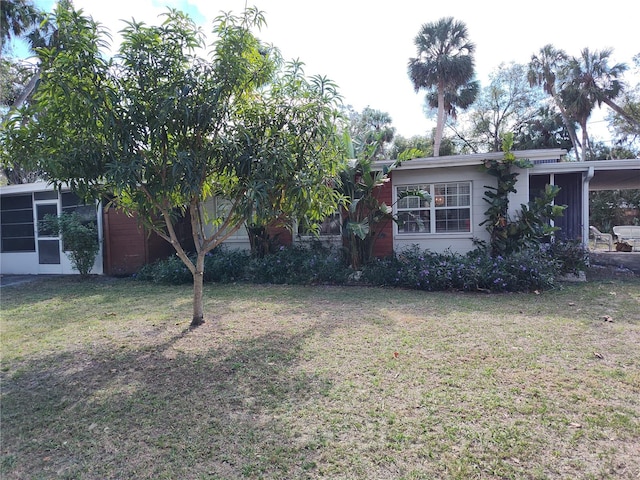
[(103, 379)]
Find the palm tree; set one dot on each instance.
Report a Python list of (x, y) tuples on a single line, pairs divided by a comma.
[(578, 106), (543, 70), (597, 81), (444, 66)]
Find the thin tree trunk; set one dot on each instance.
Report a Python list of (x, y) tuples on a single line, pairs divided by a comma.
[(567, 124), (198, 291), (616, 108)]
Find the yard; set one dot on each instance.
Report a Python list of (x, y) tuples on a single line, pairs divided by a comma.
[(102, 379)]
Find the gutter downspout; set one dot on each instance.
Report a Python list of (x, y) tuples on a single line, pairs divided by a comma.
[(585, 206)]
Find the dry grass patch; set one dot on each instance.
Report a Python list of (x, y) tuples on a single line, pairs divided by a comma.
[(103, 379)]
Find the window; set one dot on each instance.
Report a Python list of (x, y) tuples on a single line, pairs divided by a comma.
[(16, 219), (449, 210)]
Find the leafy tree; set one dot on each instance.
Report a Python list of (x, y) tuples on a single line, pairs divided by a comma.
[(420, 143), (607, 208), (598, 81), (444, 66), (370, 127), (21, 19), (163, 130), (361, 185), (590, 81), (17, 18), (279, 133), (627, 134), (544, 70), (504, 105), (544, 130)]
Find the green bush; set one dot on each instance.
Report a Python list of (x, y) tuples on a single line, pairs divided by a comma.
[(171, 271), (527, 270), (533, 268), (571, 256), (301, 265), (79, 238), (292, 265)]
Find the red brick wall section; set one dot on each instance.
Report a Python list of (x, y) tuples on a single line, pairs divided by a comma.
[(384, 242), (127, 245)]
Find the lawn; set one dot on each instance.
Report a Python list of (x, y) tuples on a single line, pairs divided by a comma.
[(102, 379)]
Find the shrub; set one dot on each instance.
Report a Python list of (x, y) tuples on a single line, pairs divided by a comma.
[(528, 270), (170, 270), (571, 256), (226, 266), (79, 238), (299, 264), (533, 268)]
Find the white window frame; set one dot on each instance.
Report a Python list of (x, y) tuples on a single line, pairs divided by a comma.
[(443, 198)]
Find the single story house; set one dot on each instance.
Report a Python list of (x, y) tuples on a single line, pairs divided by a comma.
[(452, 220)]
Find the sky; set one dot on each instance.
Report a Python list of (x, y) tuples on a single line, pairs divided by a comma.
[(365, 46)]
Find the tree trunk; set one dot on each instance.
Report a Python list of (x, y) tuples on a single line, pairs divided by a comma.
[(439, 123), (616, 108), (198, 289), (567, 124)]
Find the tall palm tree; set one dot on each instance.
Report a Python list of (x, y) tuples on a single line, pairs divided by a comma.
[(597, 81), (578, 106), (543, 71), (444, 65)]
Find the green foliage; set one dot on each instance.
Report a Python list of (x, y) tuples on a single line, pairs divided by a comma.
[(530, 269), (608, 208), (534, 267), (79, 238), (417, 143), (532, 226), (571, 256), (291, 265), (162, 130)]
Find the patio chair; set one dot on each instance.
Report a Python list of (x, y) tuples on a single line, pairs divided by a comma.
[(598, 236)]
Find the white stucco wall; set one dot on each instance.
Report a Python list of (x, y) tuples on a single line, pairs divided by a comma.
[(439, 242)]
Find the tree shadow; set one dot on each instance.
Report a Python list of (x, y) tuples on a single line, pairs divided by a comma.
[(109, 413)]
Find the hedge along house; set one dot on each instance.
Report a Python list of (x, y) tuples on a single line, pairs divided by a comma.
[(457, 184)]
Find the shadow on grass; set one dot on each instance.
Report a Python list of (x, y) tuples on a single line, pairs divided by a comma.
[(146, 414)]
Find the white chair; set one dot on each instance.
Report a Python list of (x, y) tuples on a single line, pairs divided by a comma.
[(598, 236)]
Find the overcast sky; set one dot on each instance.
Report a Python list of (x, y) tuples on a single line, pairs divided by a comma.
[(364, 46)]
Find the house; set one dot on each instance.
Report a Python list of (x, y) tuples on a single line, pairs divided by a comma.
[(451, 221), (457, 185), (26, 248)]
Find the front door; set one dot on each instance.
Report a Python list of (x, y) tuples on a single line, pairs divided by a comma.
[(47, 242)]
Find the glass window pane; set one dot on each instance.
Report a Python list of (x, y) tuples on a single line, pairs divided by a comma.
[(70, 199), (19, 244), (16, 202), (49, 252), (43, 211), (17, 216)]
